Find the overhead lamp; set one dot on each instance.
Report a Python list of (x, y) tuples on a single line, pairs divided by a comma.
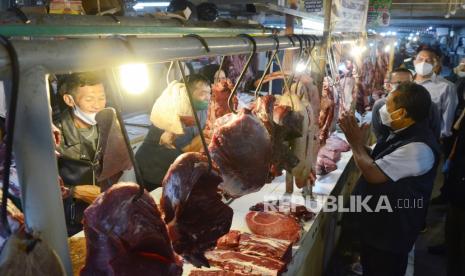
[(418, 33), (415, 39), (358, 50), (142, 5), (300, 67), (134, 78)]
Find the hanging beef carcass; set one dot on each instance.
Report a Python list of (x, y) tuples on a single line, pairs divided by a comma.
[(327, 111), (193, 211), (242, 149), (126, 235), (283, 125), (306, 101), (218, 106)]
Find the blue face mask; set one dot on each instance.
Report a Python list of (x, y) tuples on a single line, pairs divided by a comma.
[(200, 105)]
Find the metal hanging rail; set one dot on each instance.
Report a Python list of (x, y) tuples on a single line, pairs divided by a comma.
[(68, 55)]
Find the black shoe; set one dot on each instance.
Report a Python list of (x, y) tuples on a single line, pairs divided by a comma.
[(439, 249), (439, 200)]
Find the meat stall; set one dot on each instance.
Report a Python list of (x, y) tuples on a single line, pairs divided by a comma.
[(308, 241)]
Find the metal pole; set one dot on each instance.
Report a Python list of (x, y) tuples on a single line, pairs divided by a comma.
[(68, 55), (37, 165), (92, 25)]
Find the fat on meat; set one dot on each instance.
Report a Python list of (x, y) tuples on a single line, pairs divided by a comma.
[(125, 235), (244, 263), (192, 207), (306, 101), (274, 225)]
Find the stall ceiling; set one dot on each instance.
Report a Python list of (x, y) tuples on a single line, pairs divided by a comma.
[(425, 12)]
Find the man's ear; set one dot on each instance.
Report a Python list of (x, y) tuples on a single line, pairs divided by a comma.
[(68, 99)]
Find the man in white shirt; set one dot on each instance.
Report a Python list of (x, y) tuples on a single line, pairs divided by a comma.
[(443, 93), (401, 168)]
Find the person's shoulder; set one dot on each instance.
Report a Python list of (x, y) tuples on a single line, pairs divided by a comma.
[(379, 103)]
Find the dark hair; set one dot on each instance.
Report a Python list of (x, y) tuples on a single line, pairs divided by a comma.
[(425, 47), (414, 98), (68, 84), (209, 71), (193, 79), (400, 70)]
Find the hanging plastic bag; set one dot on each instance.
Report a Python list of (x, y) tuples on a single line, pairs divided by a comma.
[(29, 256), (170, 106)]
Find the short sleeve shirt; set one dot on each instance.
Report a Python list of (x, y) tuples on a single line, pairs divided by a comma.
[(413, 159)]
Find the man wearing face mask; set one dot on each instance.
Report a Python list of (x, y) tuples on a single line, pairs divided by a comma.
[(84, 95), (443, 93), (155, 156), (401, 168), (396, 77)]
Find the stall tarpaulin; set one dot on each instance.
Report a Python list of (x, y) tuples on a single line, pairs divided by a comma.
[(379, 13), (349, 15)]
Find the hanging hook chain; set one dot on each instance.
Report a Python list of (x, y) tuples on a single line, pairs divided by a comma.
[(244, 70), (267, 68)]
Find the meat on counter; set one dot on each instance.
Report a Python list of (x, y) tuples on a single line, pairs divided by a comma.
[(126, 235), (192, 207), (274, 225)]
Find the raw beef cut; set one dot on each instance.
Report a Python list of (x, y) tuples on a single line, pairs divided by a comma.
[(192, 207), (218, 106), (230, 240), (347, 90), (256, 245), (334, 155), (217, 272), (337, 144), (299, 212), (273, 225), (305, 147), (325, 165), (283, 125), (126, 236), (243, 263), (327, 111), (241, 147)]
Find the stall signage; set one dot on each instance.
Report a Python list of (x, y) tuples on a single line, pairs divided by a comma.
[(311, 5), (349, 15), (379, 13)]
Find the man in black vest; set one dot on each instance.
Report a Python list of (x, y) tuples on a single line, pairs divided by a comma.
[(399, 174)]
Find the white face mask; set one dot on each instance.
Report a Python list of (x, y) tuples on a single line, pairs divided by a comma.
[(394, 87), (461, 74), (385, 116), (88, 118), (423, 68)]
